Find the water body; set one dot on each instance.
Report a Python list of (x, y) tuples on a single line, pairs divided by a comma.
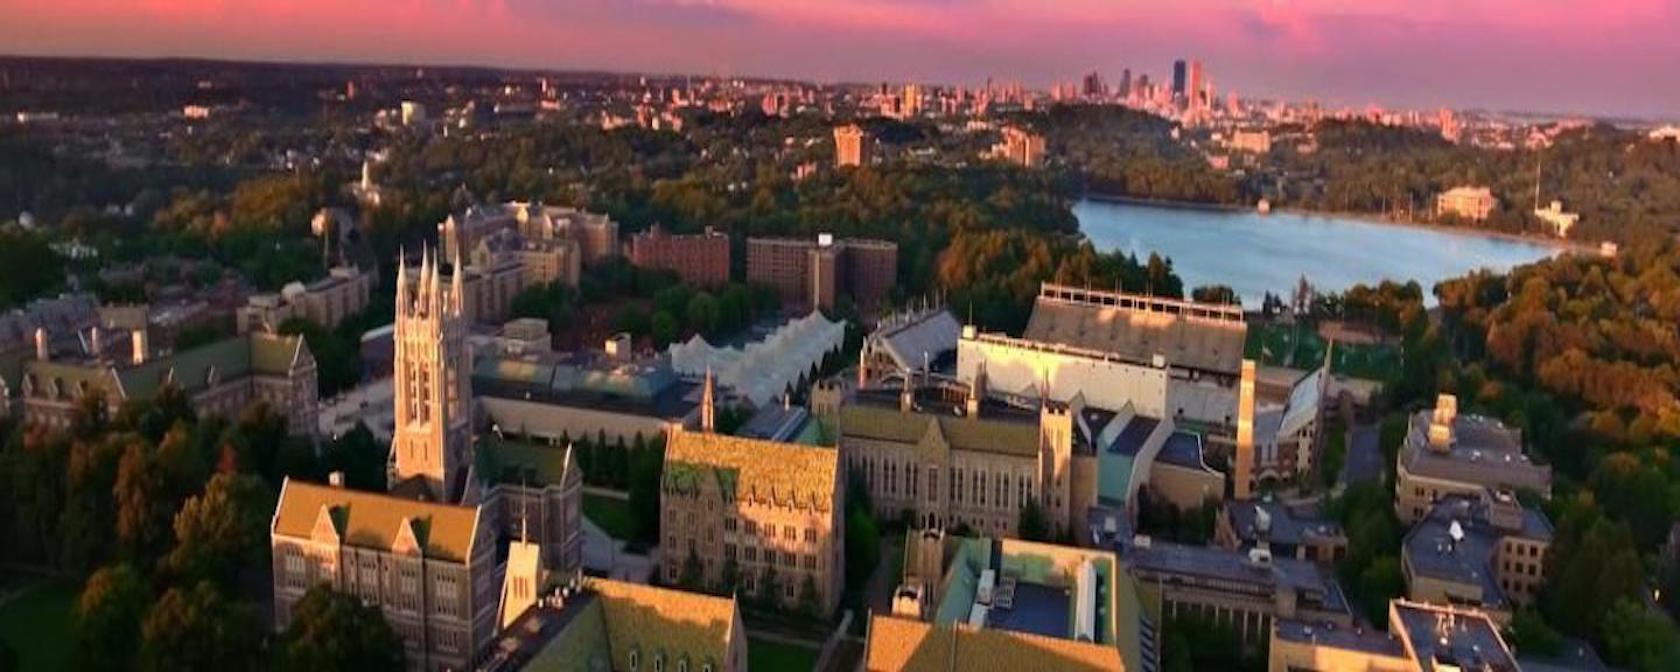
[(1256, 253)]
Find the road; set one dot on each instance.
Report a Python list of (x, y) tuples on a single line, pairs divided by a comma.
[(1364, 461)]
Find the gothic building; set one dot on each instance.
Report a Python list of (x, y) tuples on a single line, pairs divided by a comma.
[(427, 552)]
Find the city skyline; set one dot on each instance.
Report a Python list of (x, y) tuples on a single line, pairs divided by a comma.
[(1549, 56)]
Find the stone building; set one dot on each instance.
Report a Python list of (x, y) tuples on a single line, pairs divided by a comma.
[(595, 234), (326, 302), (1447, 453), (430, 567), (541, 261), (1471, 203), (428, 552), (613, 625), (699, 259), (946, 455), (220, 379), (757, 506)]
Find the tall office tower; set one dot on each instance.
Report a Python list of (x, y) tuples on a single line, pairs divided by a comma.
[(911, 105), (1095, 87), (1125, 83), (432, 446), (1194, 84), (1178, 78)]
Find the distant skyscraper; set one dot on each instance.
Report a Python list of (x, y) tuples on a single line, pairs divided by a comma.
[(1095, 87), (851, 146), (1194, 84), (1125, 83), (1178, 78)]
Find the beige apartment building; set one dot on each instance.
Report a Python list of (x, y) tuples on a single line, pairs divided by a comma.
[(1472, 203), (1488, 553), (1420, 638), (326, 302), (765, 505), (431, 567), (1447, 453), (852, 146)]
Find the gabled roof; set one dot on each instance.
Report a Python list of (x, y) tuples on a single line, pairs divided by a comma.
[(897, 643), (751, 470), (376, 521), (982, 434), (662, 621)]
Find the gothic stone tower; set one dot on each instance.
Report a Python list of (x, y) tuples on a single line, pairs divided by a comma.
[(431, 447)]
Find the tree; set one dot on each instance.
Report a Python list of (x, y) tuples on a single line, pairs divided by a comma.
[(108, 618), (863, 548), (1639, 639), (810, 602), (769, 590), (693, 576), (198, 628), (360, 457), (663, 329), (729, 577), (1033, 524), (331, 630), (143, 506), (223, 530)]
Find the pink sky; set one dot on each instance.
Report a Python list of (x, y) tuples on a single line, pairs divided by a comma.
[(1609, 56)]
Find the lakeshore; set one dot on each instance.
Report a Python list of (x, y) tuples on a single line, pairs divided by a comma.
[(1574, 246), (1256, 254)]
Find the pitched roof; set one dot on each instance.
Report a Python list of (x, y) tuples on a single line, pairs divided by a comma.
[(980, 434), (372, 520), (230, 359), (503, 461), (674, 623), (897, 643), (753, 470)]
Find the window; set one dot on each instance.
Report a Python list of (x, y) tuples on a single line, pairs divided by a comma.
[(788, 558), (811, 562), (788, 590), (659, 662), (789, 533), (752, 554), (752, 527), (635, 659), (810, 535), (729, 524), (729, 551)]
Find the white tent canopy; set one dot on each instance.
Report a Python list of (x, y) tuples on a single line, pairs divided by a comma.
[(763, 369)]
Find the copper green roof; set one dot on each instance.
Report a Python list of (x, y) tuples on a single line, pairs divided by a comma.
[(752, 470), (535, 464), (974, 434), (191, 370)]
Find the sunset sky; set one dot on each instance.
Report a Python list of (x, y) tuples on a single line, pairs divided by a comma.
[(1608, 56)]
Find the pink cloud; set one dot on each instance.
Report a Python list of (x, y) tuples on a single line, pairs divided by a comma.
[(1570, 54)]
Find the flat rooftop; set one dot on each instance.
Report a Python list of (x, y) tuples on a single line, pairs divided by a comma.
[(1482, 451), (1447, 639), (1359, 639)]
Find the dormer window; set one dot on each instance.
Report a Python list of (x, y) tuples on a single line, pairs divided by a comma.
[(635, 659)]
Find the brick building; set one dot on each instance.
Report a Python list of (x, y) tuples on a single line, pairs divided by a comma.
[(699, 259)]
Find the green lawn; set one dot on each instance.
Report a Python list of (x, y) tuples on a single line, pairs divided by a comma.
[(767, 655), (1300, 347), (611, 514), (36, 625)]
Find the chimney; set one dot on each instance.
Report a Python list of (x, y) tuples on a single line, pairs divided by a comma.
[(43, 347), (138, 338), (1243, 473), (1441, 423)]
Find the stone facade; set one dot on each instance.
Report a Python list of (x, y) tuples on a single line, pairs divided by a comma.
[(326, 302), (757, 506), (220, 379)]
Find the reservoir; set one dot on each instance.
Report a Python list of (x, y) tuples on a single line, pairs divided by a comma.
[(1255, 253)]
